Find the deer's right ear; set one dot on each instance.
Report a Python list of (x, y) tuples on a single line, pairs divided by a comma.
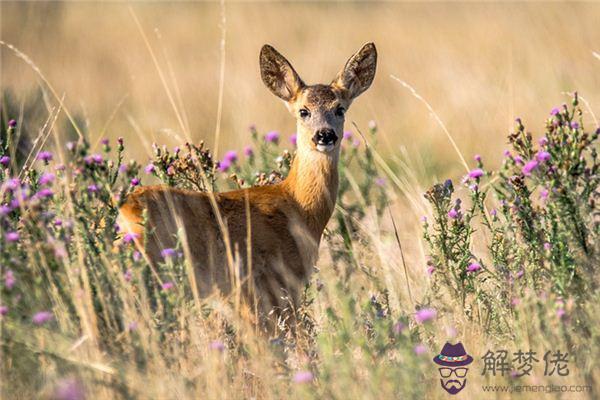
[(278, 74)]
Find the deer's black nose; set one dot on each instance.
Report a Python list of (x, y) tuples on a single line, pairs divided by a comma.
[(325, 137)]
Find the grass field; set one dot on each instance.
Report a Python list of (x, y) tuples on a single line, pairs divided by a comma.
[(514, 266)]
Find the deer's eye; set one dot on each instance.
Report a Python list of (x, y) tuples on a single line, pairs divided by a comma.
[(304, 113), (340, 111)]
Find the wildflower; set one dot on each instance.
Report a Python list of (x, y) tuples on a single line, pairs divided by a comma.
[(132, 327), (42, 317), (543, 141), (69, 389), (70, 146), (477, 158), (231, 156), (168, 253), (92, 188), (430, 270), (543, 156), (167, 286), (547, 246), (420, 349), (425, 314), (555, 111), (46, 178), (5, 210), (473, 267), (12, 237), (453, 214), (372, 125), (529, 167), (398, 327), (137, 256), (424, 219), (347, 135), (476, 173), (272, 137), (515, 301), (560, 313), (105, 142), (44, 193), (176, 150), (128, 275), (493, 212), (248, 152), (9, 279), (294, 139), (506, 153), (217, 345), (3, 310), (379, 181), (518, 160), (520, 273), (120, 141), (224, 165), (303, 377), (574, 125), (544, 194), (135, 182), (149, 168), (130, 237), (12, 123), (5, 160), (45, 156)]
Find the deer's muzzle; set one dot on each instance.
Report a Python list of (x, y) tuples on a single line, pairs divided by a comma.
[(325, 139)]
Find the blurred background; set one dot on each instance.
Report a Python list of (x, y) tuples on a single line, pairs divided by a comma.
[(478, 65)]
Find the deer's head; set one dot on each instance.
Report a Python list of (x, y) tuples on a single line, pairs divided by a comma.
[(319, 109)]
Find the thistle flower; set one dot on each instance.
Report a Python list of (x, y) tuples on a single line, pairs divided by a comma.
[(574, 125), (45, 156), (543, 141), (372, 125), (547, 246), (379, 181), (453, 214), (9, 279), (398, 327), (92, 188), (529, 167), (42, 317), (248, 152), (5, 160), (544, 194), (294, 139), (425, 315), (12, 237), (430, 270), (347, 135), (420, 349), (555, 111), (231, 156), (44, 193), (133, 326), (477, 158), (69, 389), (12, 123), (70, 146), (135, 182), (303, 377), (217, 345), (168, 253), (149, 168), (46, 178), (128, 275), (167, 286), (473, 267), (543, 156), (3, 310), (223, 165), (130, 237), (272, 137)]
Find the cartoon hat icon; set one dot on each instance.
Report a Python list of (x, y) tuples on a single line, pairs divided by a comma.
[(453, 355)]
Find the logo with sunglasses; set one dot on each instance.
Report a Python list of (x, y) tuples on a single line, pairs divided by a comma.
[(453, 360)]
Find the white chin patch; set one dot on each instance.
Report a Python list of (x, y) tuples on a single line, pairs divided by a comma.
[(325, 148)]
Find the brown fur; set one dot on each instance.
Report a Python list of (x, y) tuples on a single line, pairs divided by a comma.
[(286, 219)]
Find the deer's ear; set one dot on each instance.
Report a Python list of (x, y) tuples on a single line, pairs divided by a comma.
[(278, 74), (358, 73)]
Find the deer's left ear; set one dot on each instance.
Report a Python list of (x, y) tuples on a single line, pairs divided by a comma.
[(358, 73)]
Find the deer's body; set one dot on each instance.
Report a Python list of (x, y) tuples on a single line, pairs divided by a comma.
[(270, 234)]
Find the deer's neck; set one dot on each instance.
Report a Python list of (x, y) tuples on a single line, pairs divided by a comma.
[(313, 183)]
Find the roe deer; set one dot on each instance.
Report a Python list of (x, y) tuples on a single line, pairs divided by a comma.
[(270, 233)]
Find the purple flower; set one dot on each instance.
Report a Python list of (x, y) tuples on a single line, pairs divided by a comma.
[(130, 237), (420, 349), (12, 237), (128, 275), (120, 141), (92, 188), (430, 270), (560, 313), (477, 158), (44, 156), (4, 209), (425, 315), (303, 377), (135, 182), (69, 389), (294, 139), (46, 178), (248, 152), (224, 165), (544, 194), (3, 310), (231, 156), (530, 166), (9, 279), (520, 273), (574, 125), (149, 168), (453, 214), (543, 156), (493, 212), (379, 181), (97, 158), (168, 253), (473, 267), (355, 143), (476, 173), (547, 246), (5, 160), (543, 141), (272, 137), (347, 135), (518, 160), (70, 146), (132, 327), (44, 193), (217, 345), (104, 142), (424, 219), (506, 153), (554, 111), (12, 123), (398, 328), (167, 286), (42, 317)]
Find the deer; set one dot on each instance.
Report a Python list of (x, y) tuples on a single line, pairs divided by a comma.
[(265, 238)]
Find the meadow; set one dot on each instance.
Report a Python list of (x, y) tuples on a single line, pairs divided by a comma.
[(467, 210)]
